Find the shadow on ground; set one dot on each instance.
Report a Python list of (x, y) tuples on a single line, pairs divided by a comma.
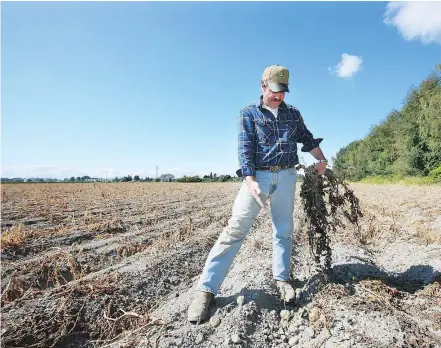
[(413, 279)]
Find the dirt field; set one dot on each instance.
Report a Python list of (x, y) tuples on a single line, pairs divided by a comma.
[(115, 265)]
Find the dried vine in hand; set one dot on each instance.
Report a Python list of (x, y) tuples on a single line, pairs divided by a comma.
[(326, 199)]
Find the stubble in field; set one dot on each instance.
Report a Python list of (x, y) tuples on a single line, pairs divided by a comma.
[(114, 264)]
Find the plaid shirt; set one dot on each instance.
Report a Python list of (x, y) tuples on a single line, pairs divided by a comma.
[(265, 141)]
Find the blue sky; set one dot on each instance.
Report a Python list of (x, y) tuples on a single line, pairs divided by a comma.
[(115, 88)]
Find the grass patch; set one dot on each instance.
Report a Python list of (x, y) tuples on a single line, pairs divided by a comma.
[(14, 237), (399, 179)]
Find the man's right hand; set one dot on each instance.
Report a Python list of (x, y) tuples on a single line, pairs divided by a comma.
[(253, 188)]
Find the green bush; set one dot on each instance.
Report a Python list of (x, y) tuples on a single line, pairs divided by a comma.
[(435, 174), (189, 179)]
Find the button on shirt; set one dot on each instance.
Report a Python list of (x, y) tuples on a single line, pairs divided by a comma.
[(266, 140)]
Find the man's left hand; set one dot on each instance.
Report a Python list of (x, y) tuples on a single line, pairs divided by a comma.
[(320, 167)]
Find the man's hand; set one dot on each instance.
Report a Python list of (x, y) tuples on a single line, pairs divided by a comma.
[(253, 188), (320, 167)]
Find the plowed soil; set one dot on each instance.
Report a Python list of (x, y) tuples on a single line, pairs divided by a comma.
[(116, 264)]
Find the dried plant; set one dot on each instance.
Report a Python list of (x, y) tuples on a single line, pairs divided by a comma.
[(13, 237), (98, 306), (326, 200)]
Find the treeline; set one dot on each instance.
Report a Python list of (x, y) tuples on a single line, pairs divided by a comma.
[(207, 178), (136, 178), (85, 178), (163, 178), (406, 143)]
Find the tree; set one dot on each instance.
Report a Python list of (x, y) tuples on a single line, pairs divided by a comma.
[(224, 178), (407, 142), (167, 177), (136, 178), (189, 179), (127, 178)]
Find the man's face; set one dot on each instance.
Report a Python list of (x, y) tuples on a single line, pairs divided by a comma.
[(270, 98)]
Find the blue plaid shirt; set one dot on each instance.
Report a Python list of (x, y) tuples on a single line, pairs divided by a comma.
[(265, 141)]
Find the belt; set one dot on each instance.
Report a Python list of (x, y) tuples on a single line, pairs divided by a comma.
[(275, 168)]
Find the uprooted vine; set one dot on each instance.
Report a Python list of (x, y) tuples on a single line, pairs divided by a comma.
[(327, 201)]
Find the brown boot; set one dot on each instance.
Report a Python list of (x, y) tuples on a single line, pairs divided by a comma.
[(286, 290), (198, 309)]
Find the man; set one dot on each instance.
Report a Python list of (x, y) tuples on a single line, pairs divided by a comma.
[(267, 144)]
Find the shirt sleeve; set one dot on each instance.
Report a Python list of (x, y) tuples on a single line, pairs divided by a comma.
[(246, 144), (304, 136)]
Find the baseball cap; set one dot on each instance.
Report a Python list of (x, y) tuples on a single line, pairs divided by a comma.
[(277, 77)]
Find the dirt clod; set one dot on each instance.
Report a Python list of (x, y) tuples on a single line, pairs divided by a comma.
[(235, 338), (241, 300), (215, 321), (314, 314), (284, 314)]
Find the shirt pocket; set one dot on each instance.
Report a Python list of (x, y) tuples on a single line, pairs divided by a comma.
[(290, 129), (266, 130)]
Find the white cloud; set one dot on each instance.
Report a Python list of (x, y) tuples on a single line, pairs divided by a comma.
[(348, 66), (416, 20)]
